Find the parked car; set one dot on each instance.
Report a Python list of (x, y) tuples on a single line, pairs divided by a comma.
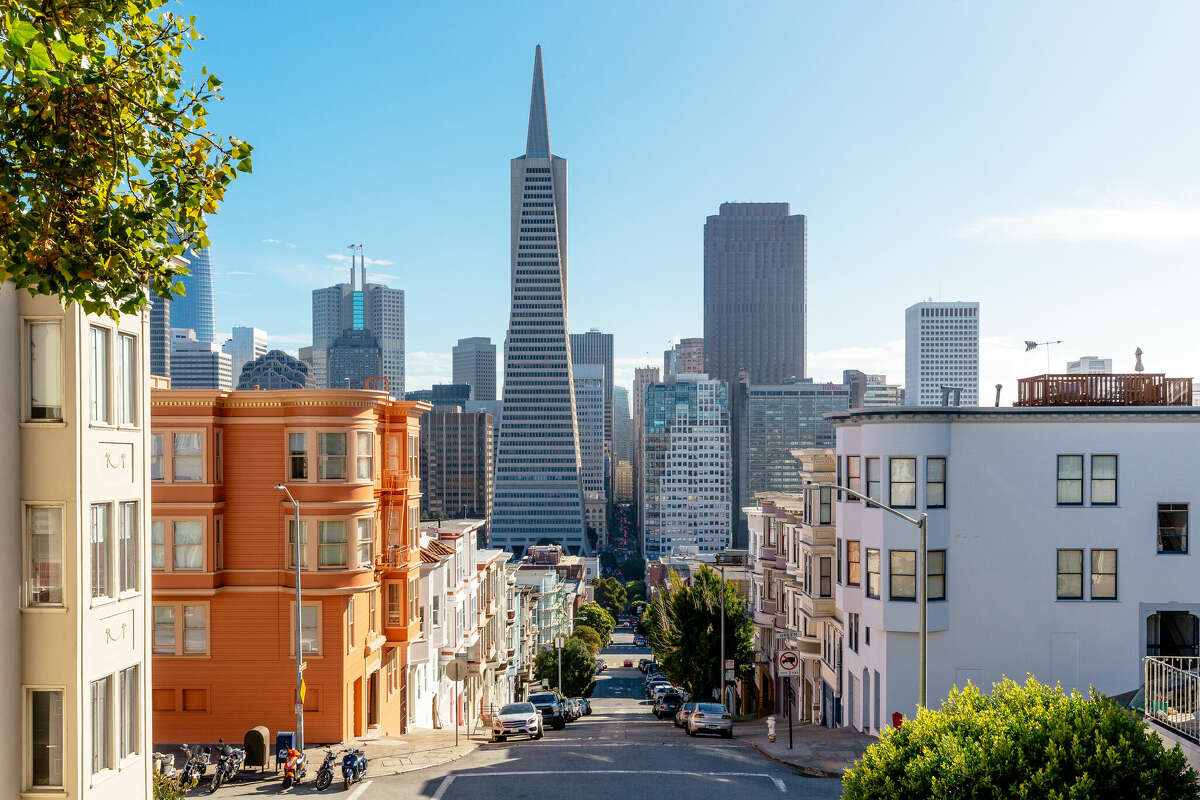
[(667, 704), (659, 689), (517, 719), (642, 662), (681, 716), (627, 662), (601, 665), (550, 705), (710, 718), (585, 705), (652, 685), (575, 711)]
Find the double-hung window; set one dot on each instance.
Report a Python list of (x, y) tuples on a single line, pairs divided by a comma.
[(825, 507), (332, 456), (366, 542), (364, 454), (1070, 574), (158, 545), (128, 547), (854, 475), (826, 576), (102, 724), (310, 628), (130, 705), (935, 482), (1172, 527), (186, 460), (44, 543), (46, 738), (45, 373), (298, 456), (1070, 480), (291, 543), (164, 629), (100, 550), (872, 572), (902, 492), (902, 574), (187, 548), (1104, 481), (101, 380), (936, 572), (1104, 574), (853, 562), (874, 479), (156, 456), (127, 380), (195, 629), (331, 543), (394, 608)]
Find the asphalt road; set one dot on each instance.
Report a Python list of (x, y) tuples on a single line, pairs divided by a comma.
[(621, 752)]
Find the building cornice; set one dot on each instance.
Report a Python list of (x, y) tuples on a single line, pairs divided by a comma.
[(940, 414)]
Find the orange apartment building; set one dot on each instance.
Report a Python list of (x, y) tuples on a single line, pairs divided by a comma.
[(222, 540)]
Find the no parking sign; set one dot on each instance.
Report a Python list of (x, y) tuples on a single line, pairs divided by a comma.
[(787, 662)]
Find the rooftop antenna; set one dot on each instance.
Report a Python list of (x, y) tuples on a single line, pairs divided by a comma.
[(1030, 345), (362, 265), (350, 247)]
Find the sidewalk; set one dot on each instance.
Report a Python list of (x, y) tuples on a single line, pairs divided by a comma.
[(393, 755), (816, 751)]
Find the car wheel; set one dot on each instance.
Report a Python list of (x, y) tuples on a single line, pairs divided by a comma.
[(691, 732), (726, 734), (559, 724), (539, 734)]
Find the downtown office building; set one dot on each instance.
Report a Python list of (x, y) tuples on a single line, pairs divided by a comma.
[(941, 353), (538, 493), (349, 321)]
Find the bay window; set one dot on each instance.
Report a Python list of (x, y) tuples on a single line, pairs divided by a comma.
[(366, 542), (44, 546), (364, 454), (186, 457), (332, 456), (100, 377), (45, 371), (331, 543)]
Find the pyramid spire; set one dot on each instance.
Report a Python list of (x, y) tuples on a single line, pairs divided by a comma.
[(537, 143)]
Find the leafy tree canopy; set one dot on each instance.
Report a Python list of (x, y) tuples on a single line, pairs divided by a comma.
[(635, 591), (589, 636), (634, 569), (578, 668), (596, 618), (611, 595), (107, 166), (1021, 741)]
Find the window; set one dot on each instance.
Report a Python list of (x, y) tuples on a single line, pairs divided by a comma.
[(130, 705), (852, 627), (839, 561), (350, 622), (298, 456), (332, 456), (310, 628), (393, 604), (157, 546), (413, 599), (373, 611), (128, 544), (826, 576), (164, 629), (331, 544), (156, 456), (1172, 527), (902, 492), (187, 551), (414, 458), (873, 479), (437, 604), (45, 377), (44, 580), (1070, 480), (366, 542), (825, 507), (101, 723), (364, 454), (186, 457), (1070, 574), (853, 563), (902, 574), (1104, 574), (218, 545), (127, 380), (100, 551), (872, 572), (1104, 480), (854, 475), (936, 574), (46, 738), (218, 460), (935, 483), (195, 629), (100, 377), (291, 544)]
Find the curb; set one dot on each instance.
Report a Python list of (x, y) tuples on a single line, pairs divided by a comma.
[(811, 772), (463, 754)]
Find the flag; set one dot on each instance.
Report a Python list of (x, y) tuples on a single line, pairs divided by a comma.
[(349, 247)]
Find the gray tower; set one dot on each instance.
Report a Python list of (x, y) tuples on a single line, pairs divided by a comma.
[(595, 347), (359, 306), (538, 495), (475, 365)]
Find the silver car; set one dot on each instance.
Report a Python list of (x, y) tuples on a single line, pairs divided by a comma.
[(710, 718), (517, 719)]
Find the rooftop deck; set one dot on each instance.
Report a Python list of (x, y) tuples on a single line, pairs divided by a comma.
[(1129, 389)]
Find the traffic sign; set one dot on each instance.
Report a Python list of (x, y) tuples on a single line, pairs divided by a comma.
[(456, 670), (787, 662), (729, 663), (728, 674)]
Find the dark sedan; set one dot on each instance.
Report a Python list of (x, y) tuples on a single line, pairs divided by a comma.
[(667, 705)]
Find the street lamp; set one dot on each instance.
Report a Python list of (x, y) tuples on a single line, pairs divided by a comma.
[(922, 579), (299, 636)]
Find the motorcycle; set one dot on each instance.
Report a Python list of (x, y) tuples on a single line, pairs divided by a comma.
[(294, 763), (229, 764), (354, 766), (193, 767), (325, 773)]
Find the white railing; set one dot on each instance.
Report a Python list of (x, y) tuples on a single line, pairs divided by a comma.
[(1173, 693)]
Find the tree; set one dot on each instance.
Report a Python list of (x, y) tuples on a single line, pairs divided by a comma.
[(578, 667), (611, 595), (634, 569), (107, 166), (589, 636), (683, 624), (1021, 741), (596, 618), (634, 591)]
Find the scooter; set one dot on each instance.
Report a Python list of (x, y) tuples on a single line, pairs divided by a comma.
[(193, 768), (325, 772), (294, 763), (354, 766), (229, 764)]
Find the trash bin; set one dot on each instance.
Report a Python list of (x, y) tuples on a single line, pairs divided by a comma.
[(284, 741), (255, 742)]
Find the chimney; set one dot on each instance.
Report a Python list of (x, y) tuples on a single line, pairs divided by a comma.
[(999, 386)]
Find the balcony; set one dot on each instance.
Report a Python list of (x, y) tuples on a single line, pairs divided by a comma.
[(817, 535), (816, 606), (1128, 389)]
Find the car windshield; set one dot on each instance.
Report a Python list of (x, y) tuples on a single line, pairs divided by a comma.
[(518, 708), (672, 698), (688, 706), (544, 697), (710, 708)]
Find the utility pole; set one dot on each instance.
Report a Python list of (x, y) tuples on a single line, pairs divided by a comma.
[(299, 636), (721, 664), (558, 642)]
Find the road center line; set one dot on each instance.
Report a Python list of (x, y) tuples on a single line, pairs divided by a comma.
[(442, 787), (445, 784), (357, 793)]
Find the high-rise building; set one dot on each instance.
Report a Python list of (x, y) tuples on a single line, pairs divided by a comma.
[(642, 377), (354, 358), (245, 345), (622, 426), (871, 391), (624, 490), (589, 413), (1090, 365), (941, 352), (275, 370), (538, 494), (359, 306), (160, 336), (198, 365), (456, 464), (595, 347), (686, 466), (475, 365), (194, 308), (755, 265), (685, 358)]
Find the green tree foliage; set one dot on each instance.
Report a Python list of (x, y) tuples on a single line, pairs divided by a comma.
[(578, 667), (1021, 741), (611, 595), (107, 165), (638, 608), (589, 636), (683, 624), (596, 618), (634, 569), (635, 591)]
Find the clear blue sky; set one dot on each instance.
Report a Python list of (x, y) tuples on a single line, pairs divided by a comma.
[(1037, 157)]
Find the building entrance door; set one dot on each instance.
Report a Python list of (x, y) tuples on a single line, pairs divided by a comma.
[(373, 700), (357, 699)]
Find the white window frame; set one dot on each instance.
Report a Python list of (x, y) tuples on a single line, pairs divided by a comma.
[(364, 456), (27, 556), (200, 457), (99, 594), (129, 558), (324, 459), (100, 372), (27, 737), (101, 752), (129, 701), (27, 370), (126, 380)]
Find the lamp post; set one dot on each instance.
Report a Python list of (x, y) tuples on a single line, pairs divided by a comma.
[(299, 636), (922, 580), (721, 665)]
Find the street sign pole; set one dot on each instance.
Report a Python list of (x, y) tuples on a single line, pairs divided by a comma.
[(791, 697)]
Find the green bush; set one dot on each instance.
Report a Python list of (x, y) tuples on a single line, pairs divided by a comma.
[(1029, 742)]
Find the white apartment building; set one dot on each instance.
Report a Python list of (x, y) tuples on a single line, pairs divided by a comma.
[(76, 406), (941, 348), (1089, 365), (1059, 545)]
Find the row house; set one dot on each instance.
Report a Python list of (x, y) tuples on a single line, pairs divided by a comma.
[(521, 634), (223, 554), (554, 611)]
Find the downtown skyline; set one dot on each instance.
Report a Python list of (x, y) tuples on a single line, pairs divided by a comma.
[(1038, 221)]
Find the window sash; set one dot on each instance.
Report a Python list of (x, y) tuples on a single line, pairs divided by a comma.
[(164, 629), (45, 371), (310, 628), (364, 455), (157, 546), (298, 456), (331, 543), (100, 378), (130, 705), (1070, 480), (874, 479), (902, 488), (1070, 575), (1104, 575), (872, 572), (1173, 527), (101, 725), (936, 574), (902, 574), (366, 542), (186, 457), (854, 476), (44, 579), (826, 576), (101, 553), (393, 604), (1104, 480), (127, 380), (935, 483), (128, 543), (156, 456), (46, 738), (187, 544), (291, 544), (332, 455), (853, 562), (195, 629)]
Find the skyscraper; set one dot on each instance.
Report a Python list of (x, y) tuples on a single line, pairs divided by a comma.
[(198, 365), (538, 494), (456, 463), (194, 309), (595, 347), (755, 265), (642, 377), (622, 427), (160, 336), (359, 306), (685, 358), (275, 370), (941, 349), (589, 411), (475, 365), (244, 346)]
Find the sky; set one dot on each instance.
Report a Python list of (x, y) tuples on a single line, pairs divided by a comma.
[(1039, 158)]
